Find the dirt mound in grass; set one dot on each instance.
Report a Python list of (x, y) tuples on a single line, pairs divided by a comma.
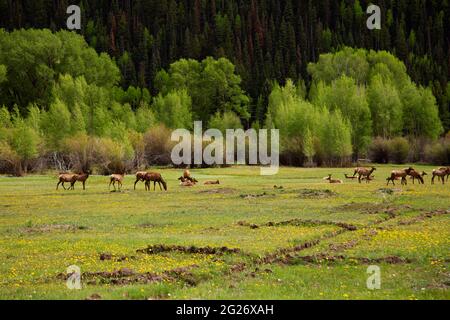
[(52, 227), (256, 195), (155, 249), (218, 191), (326, 259), (315, 193), (126, 276)]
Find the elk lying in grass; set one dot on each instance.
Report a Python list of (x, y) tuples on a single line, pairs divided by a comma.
[(66, 177), (140, 176), (190, 179), (331, 180), (397, 174), (116, 178), (82, 178), (212, 182), (156, 178), (187, 183), (441, 173), (350, 177), (418, 175), (363, 172)]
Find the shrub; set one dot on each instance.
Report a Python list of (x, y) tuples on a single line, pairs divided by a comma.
[(158, 145), (379, 150), (438, 153), (398, 150)]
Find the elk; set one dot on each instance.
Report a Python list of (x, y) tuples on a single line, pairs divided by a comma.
[(116, 178), (447, 169), (418, 175), (187, 183), (82, 178), (140, 176), (396, 174), (364, 172), (190, 179), (333, 180), (66, 177), (155, 177), (349, 177), (212, 182), (441, 173)]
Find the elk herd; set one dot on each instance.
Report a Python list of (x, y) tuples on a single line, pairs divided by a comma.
[(186, 180), (366, 174)]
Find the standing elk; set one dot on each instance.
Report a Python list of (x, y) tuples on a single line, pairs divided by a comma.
[(441, 173), (82, 178), (140, 176), (363, 172), (447, 169), (66, 177), (155, 177), (397, 174), (333, 180), (116, 178), (418, 175)]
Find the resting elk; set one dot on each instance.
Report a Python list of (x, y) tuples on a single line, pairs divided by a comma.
[(212, 182), (333, 180)]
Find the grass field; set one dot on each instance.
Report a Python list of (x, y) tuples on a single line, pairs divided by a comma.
[(307, 240)]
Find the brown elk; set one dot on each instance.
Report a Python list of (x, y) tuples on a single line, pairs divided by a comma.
[(333, 180), (363, 172), (140, 176), (441, 173), (187, 183), (116, 178), (418, 175), (447, 169), (396, 174), (212, 182), (156, 178), (82, 178), (66, 177)]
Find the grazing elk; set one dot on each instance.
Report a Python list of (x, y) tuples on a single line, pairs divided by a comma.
[(447, 169), (116, 178), (333, 180), (212, 182), (418, 175), (82, 178), (441, 173), (66, 177), (140, 176), (363, 172), (155, 177), (397, 174)]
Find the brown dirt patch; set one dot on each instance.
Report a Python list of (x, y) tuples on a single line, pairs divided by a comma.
[(160, 248)]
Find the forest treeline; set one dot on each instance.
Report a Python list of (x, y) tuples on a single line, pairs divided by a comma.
[(63, 107), (266, 40)]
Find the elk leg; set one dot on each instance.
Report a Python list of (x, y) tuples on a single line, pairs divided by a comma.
[(159, 184), (57, 185), (154, 185), (135, 183), (84, 183)]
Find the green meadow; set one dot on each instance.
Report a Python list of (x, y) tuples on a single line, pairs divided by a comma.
[(288, 236)]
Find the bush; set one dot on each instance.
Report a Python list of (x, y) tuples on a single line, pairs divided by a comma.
[(158, 145), (398, 150), (379, 150), (438, 153)]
